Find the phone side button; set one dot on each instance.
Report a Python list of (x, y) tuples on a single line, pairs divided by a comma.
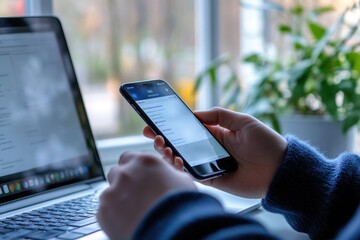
[(135, 109)]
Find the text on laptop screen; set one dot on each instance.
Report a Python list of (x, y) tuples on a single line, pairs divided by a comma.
[(38, 118), (42, 140)]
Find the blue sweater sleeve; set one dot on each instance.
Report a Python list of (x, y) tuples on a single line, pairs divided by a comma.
[(316, 195), (195, 215)]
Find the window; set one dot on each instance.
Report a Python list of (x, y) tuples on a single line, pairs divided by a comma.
[(117, 41)]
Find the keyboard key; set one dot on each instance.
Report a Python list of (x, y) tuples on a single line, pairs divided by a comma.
[(25, 223), (76, 219), (56, 224), (88, 229), (33, 227), (64, 228), (41, 235), (34, 213), (64, 221), (70, 236), (35, 219), (13, 227), (5, 230), (43, 228), (15, 234), (84, 222)]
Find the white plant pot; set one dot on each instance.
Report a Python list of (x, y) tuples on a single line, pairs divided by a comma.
[(321, 132)]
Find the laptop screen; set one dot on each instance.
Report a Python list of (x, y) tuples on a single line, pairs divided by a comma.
[(45, 137)]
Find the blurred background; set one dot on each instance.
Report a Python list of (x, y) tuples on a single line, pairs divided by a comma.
[(116, 41)]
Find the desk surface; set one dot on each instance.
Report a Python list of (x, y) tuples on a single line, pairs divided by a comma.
[(277, 225)]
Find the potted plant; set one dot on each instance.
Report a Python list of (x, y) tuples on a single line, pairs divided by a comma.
[(321, 78)]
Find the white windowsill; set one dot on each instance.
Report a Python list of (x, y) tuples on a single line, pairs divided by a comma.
[(110, 149)]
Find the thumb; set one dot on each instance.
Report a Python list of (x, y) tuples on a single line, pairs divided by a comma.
[(223, 117)]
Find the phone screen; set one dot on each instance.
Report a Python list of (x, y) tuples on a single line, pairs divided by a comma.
[(176, 122)]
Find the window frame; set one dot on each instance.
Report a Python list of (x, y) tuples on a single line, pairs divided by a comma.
[(38, 7)]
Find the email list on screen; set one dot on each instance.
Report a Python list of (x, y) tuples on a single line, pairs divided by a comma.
[(182, 129)]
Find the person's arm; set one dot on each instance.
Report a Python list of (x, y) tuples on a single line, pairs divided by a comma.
[(149, 199), (194, 215), (316, 195)]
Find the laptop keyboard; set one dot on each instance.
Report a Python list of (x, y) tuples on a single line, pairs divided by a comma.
[(67, 220)]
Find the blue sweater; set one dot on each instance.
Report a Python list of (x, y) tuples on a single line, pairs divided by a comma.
[(316, 195)]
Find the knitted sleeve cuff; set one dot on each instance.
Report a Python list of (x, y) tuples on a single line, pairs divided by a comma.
[(297, 181), (316, 195)]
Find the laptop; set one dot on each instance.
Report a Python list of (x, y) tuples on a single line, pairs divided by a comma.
[(50, 171)]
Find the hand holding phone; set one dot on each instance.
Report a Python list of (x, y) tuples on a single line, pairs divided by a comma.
[(167, 115), (257, 148)]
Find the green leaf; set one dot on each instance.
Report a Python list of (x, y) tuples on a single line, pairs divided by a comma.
[(343, 42), (316, 30), (297, 92), (297, 77), (284, 28), (232, 80), (351, 121), (310, 85), (212, 75), (328, 96), (223, 59), (211, 71), (299, 42), (297, 10), (354, 59), (198, 82), (275, 123), (299, 70), (323, 42), (233, 98), (322, 10), (347, 86), (255, 59)]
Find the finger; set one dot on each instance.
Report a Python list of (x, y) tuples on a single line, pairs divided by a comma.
[(114, 171), (159, 144), (175, 161), (178, 163), (224, 118), (218, 132), (148, 132), (168, 155), (126, 157)]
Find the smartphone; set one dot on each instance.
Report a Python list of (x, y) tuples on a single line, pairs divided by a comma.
[(167, 115)]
